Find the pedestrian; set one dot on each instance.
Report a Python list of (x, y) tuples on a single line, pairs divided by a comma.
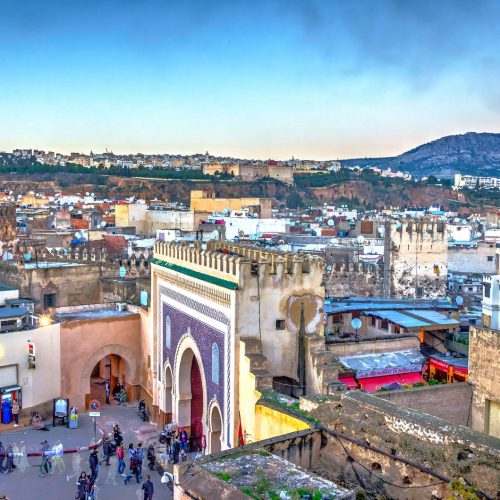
[(37, 422), (6, 412), (15, 412), (120, 455), (58, 456), (46, 465), (9, 463), (17, 455), (151, 457), (117, 435), (176, 449), (140, 458), (148, 488), (2, 456), (94, 465), (82, 486), (23, 460), (170, 433), (184, 437), (90, 489), (106, 388), (106, 449), (134, 470)]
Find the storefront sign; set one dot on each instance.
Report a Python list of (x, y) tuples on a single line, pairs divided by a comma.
[(387, 371)]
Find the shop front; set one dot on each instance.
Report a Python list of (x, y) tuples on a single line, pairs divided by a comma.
[(448, 369), (8, 394)]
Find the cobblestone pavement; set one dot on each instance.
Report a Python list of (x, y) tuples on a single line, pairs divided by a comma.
[(29, 484)]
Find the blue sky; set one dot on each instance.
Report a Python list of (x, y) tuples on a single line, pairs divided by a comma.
[(269, 79)]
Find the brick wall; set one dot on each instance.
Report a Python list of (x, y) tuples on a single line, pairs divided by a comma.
[(451, 402)]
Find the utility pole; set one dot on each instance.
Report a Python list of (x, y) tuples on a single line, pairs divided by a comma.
[(416, 262)]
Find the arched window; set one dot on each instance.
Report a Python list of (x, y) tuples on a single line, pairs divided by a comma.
[(168, 332), (215, 363)]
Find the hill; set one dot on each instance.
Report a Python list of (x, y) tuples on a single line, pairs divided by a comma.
[(469, 153)]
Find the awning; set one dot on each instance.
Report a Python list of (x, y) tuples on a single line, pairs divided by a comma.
[(411, 378), (350, 382), (374, 384)]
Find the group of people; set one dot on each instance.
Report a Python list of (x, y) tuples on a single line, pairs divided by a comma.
[(13, 457), (51, 457), (10, 411), (177, 444)]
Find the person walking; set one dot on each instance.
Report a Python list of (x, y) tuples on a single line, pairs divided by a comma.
[(23, 460), (46, 465), (58, 456), (81, 486), (140, 458), (176, 449), (134, 470), (2, 456), (151, 456), (9, 463), (117, 435), (94, 465), (106, 449), (120, 455), (90, 489), (106, 388), (15, 412), (148, 488)]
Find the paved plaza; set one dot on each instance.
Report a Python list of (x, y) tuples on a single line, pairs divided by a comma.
[(28, 484)]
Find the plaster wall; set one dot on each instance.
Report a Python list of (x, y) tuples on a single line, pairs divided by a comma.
[(371, 346), (478, 260), (85, 342), (271, 423), (43, 383)]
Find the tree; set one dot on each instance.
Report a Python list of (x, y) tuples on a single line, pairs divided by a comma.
[(293, 200)]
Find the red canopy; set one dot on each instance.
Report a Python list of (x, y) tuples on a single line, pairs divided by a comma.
[(350, 382), (373, 384), (411, 378)]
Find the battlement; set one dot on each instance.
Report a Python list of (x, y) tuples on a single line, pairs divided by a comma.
[(237, 263), (421, 229)]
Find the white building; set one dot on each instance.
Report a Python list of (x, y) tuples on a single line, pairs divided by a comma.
[(472, 181)]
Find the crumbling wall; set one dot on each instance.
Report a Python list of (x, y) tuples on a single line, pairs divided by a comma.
[(354, 280), (419, 254), (452, 451)]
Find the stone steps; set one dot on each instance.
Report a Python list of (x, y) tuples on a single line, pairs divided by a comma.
[(258, 363)]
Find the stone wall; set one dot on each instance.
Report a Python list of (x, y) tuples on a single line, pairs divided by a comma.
[(477, 260), (354, 280), (341, 347), (450, 402), (418, 260), (484, 375)]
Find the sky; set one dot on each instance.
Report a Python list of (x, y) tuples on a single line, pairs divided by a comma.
[(249, 79)]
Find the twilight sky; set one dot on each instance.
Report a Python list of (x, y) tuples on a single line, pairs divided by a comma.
[(255, 79)]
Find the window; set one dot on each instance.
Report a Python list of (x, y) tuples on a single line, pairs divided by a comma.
[(487, 289), (280, 324), (490, 258), (420, 292), (215, 363), (49, 300), (374, 321), (168, 332), (384, 324)]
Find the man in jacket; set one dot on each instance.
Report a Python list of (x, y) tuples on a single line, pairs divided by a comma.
[(94, 465), (106, 449), (148, 488)]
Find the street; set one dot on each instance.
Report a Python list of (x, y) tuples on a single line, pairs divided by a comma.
[(61, 484)]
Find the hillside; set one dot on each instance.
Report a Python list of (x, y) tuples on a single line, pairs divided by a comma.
[(470, 153)]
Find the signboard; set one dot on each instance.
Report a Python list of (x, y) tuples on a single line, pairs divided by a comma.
[(386, 371), (94, 405), (31, 354), (94, 413)]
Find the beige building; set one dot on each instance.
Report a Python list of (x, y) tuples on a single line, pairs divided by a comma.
[(227, 322), (206, 201), (148, 219)]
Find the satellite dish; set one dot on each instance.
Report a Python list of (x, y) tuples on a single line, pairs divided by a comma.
[(103, 224), (78, 235), (27, 256), (459, 300), (360, 239), (356, 323), (7, 256), (122, 272), (330, 222), (328, 268)]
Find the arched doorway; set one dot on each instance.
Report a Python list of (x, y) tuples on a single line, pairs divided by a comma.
[(111, 368), (190, 402), (215, 429), (168, 394)]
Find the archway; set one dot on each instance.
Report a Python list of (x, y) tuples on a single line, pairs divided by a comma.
[(111, 368), (168, 393), (215, 429), (190, 397), (114, 361)]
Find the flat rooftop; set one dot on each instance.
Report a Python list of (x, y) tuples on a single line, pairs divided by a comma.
[(260, 474), (333, 306), (87, 314)]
